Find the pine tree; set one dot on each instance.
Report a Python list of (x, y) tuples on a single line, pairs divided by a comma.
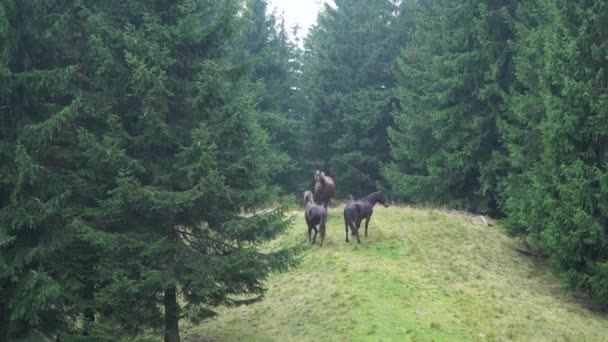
[(521, 129), (561, 107), (454, 75), (265, 47), (135, 148), (39, 70), (350, 89)]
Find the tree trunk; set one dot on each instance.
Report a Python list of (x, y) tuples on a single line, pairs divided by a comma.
[(171, 316), (89, 312), (4, 325)]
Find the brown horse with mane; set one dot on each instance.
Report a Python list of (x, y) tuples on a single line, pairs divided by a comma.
[(355, 212), (314, 215), (325, 188)]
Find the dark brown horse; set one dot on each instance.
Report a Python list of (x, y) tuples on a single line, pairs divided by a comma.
[(355, 212), (314, 215), (325, 188)]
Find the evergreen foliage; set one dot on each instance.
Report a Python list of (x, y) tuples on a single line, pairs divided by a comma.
[(558, 138), (38, 78), (274, 64), (348, 82), (454, 75), (132, 149), (141, 142)]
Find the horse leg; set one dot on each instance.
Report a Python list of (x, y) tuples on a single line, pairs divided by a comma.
[(322, 233), (354, 230), (346, 230), (367, 223), (309, 231), (314, 238)]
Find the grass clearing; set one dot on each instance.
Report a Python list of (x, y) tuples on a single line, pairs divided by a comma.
[(422, 275)]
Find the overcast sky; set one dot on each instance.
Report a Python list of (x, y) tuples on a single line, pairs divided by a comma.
[(302, 12)]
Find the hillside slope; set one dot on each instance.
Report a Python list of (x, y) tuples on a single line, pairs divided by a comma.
[(422, 275)]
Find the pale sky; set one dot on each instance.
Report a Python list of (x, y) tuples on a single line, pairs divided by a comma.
[(302, 12)]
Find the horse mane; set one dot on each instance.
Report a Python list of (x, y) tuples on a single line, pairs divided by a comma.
[(373, 196)]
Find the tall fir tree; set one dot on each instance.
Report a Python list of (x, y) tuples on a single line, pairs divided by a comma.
[(521, 130), (265, 47), (454, 76), (39, 83), (558, 138), (350, 89), (133, 149)]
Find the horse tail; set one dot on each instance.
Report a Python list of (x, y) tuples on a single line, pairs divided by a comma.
[(345, 217), (348, 215), (358, 207)]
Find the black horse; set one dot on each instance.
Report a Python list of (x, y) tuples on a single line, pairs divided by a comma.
[(355, 212), (314, 215)]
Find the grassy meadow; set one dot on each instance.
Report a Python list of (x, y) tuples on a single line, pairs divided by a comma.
[(421, 275)]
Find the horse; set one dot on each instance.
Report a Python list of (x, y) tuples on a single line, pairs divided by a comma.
[(355, 212), (324, 189), (314, 215)]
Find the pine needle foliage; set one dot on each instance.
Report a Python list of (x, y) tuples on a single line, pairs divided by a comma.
[(274, 63), (557, 189), (348, 82), (130, 151), (454, 75)]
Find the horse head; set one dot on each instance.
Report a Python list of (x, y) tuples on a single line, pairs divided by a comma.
[(380, 198), (320, 177), (376, 197), (324, 188), (308, 198)]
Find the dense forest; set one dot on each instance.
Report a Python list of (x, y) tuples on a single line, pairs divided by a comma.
[(141, 139)]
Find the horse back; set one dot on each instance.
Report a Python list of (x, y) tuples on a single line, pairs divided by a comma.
[(330, 185), (352, 212), (315, 214), (366, 209), (325, 190)]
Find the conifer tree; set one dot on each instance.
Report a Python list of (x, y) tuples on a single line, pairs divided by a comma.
[(454, 75), (38, 201), (521, 130), (274, 63), (133, 149), (350, 89), (558, 138)]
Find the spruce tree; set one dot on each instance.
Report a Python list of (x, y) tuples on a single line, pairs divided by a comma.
[(454, 75), (274, 63), (39, 175), (560, 111), (133, 151), (521, 129), (350, 89)]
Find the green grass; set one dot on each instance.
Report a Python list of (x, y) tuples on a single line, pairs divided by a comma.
[(422, 275)]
